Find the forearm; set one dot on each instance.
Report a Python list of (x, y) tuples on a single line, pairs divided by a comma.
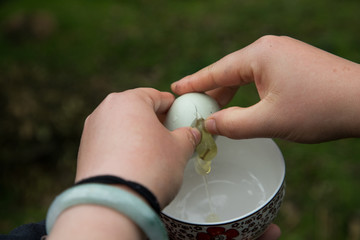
[(338, 97), (349, 97)]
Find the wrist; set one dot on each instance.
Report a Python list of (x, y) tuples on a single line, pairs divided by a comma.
[(133, 187), (114, 198), (94, 222)]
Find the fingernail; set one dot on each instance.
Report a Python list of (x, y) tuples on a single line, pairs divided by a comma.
[(210, 126), (197, 135), (173, 86)]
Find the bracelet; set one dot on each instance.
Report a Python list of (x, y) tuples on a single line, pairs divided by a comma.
[(121, 200), (140, 189)]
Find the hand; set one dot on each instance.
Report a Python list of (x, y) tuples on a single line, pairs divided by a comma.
[(307, 95), (125, 138), (272, 233)]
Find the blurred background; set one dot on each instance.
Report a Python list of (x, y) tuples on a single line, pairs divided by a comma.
[(59, 59)]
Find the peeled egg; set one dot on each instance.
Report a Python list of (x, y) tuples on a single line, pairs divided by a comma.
[(189, 107)]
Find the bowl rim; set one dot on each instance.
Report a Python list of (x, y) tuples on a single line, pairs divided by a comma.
[(280, 188), (233, 220)]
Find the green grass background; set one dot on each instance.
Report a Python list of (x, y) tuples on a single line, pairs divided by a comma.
[(59, 59)]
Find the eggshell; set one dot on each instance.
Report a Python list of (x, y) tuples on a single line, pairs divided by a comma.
[(187, 108)]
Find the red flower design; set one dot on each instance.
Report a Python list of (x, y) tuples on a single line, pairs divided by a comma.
[(217, 233)]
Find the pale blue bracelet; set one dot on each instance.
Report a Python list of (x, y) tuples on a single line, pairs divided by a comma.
[(112, 197)]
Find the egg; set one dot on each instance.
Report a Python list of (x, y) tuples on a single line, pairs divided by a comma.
[(189, 107)]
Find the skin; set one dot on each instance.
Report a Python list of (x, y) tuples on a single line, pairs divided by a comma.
[(306, 94), (117, 133), (117, 140)]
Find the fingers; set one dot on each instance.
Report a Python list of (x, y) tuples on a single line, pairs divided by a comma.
[(240, 123), (159, 101), (273, 232), (187, 139), (222, 95), (234, 69)]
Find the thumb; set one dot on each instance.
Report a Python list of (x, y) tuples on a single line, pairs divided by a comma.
[(240, 123), (187, 139)]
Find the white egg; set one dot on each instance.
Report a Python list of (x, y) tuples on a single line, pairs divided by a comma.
[(188, 107)]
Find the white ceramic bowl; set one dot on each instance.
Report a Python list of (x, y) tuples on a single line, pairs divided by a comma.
[(246, 186)]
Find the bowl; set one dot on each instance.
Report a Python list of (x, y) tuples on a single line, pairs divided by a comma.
[(238, 199)]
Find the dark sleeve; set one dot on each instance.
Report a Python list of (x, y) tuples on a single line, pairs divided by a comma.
[(31, 231)]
